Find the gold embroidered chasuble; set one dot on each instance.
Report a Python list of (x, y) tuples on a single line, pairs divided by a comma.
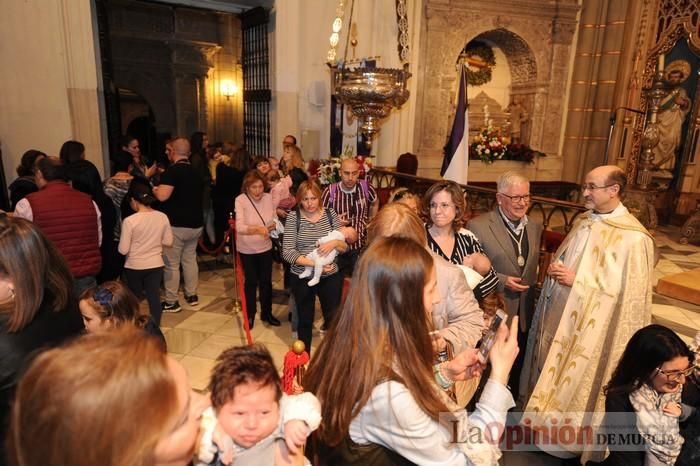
[(578, 333)]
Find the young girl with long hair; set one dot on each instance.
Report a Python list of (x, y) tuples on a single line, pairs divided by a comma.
[(374, 376)]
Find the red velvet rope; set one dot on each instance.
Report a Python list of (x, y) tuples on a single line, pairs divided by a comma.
[(291, 362), (239, 275)]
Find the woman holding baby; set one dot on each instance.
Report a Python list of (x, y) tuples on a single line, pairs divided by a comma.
[(255, 218), (304, 227)]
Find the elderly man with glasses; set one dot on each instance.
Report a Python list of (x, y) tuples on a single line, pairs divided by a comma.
[(512, 242), (597, 294)]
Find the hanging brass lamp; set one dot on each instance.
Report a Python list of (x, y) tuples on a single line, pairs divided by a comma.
[(371, 93)]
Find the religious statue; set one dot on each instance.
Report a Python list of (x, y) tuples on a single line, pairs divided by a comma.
[(673, 110), (518, 116)]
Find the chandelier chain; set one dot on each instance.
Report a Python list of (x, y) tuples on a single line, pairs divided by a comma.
[(402, 20)]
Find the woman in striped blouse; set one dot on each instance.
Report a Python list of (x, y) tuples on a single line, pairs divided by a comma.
[(443, 207), (303, 228)]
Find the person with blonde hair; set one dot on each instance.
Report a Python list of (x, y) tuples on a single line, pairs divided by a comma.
[(292, 165), (36, 307), (374, 375), (457, 316), (302, 230), (108, 399), (407, 197)]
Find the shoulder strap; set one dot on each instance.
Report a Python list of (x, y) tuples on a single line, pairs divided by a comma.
[(328, 214), (365, 188), (256, 209), (330, 218), (333, 189)]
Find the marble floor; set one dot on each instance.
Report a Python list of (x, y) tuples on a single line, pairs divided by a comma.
[(681, 316), (197, 335)]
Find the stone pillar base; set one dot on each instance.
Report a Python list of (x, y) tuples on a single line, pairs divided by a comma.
[(640, 203)]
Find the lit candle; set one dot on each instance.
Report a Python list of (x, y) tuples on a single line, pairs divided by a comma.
[(661, 62)]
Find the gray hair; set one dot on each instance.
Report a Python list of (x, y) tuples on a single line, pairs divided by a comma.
[(510, 178)]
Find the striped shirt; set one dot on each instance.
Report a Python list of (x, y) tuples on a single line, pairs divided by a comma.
[(355, 205), (467, 243), (296, 244), (116, 189)]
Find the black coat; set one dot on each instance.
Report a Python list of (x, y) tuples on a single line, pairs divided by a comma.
[(48, 329)]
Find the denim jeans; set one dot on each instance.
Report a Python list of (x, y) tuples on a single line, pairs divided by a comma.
[(182, 252)]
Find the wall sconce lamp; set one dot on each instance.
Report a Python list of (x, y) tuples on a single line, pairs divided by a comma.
[(228, 89)]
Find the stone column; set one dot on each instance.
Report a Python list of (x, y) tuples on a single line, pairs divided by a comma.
[(49, 79), (594, 84)]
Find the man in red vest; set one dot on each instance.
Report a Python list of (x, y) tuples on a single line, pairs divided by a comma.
[(69, 218)]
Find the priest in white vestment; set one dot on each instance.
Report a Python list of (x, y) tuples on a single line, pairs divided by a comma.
[(597, 294)]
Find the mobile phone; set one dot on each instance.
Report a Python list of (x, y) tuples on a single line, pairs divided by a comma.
[(490, 337)]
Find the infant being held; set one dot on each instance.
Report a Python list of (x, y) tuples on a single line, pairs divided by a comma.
[(251, 421), (342, 234)]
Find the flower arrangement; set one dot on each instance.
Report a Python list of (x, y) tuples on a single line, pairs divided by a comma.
[(489, 144), (329, 169)]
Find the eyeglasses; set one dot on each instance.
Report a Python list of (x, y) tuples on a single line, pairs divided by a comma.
[(676, 375), (443, 206), (592, 187), (523, 198)]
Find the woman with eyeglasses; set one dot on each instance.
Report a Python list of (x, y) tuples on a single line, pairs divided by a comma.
[(443, 208), (647, 385), (36, 308)]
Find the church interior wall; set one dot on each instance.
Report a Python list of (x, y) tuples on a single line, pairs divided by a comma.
[(538, 41), (573, 66), (177, 59), (301, 77), (594, 85), (49, 79)]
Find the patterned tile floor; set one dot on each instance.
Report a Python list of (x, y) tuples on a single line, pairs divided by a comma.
[(683, 317), (197, 335)]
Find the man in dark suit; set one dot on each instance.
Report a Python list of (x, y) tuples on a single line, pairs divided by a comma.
[(512, 242)]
